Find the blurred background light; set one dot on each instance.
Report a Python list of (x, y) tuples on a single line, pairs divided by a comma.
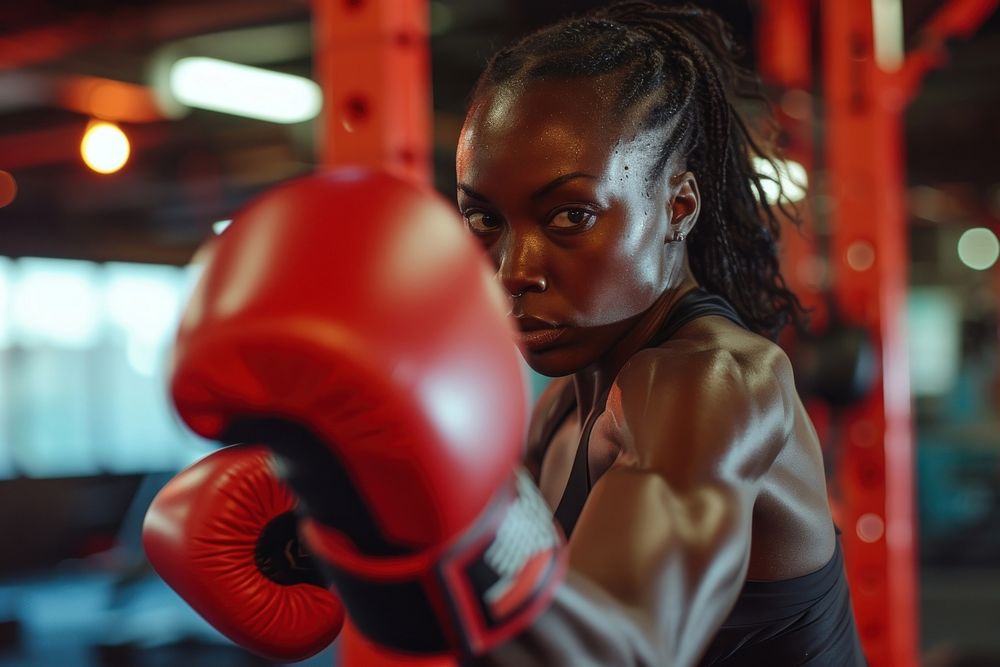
[(870, 527), (797, 103), (933, 320), (783, 176), (860, 256), (5, 291), (55, 302), (82, 352), (144, 302), (104, 148), (887, 21), (107, 99), (978, 248), (8, 188), (220, 226), (241, 90)]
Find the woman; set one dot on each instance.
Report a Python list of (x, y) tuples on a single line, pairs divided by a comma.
[(604, 169)]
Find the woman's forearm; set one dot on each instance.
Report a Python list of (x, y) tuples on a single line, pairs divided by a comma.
[(584, 627)]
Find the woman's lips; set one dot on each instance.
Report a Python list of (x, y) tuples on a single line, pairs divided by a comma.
[(537, 339)]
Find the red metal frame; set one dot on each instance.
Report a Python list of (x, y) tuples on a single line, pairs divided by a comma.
[(864, 150), (864, 154), (956, 18), (784, 35), (373, 65), (784, 60), (865, 157)]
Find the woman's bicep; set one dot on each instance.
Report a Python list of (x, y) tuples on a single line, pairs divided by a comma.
[(667, 529), (678, 560)]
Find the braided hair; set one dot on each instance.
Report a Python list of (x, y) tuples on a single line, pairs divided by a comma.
[(677, 65)]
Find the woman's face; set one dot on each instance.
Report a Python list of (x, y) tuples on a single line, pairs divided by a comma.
[(556, 188)]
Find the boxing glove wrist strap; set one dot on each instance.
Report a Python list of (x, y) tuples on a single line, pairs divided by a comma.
[(474, 594)]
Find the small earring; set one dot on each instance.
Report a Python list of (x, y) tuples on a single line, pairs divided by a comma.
[(678, 237)]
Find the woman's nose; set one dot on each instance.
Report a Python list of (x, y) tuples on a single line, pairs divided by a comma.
[(520, 265)]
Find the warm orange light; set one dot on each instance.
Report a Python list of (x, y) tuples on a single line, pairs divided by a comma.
[(104, 148), (115, 101), (8, 188)]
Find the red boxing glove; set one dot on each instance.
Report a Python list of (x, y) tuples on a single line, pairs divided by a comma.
[(351, 323), (222, 533)]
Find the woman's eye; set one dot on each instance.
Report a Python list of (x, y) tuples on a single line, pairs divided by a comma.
[(479, 222), (572, 218)]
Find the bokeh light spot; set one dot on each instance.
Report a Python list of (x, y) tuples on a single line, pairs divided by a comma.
[(105, 148)]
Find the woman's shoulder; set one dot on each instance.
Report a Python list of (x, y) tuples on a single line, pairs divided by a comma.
[(708, 347), (712, 380)]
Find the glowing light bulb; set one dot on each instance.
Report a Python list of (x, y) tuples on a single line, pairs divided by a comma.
[(104, 148), (978, 248)]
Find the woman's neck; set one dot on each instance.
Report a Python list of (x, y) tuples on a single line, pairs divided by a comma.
[(593, 382)]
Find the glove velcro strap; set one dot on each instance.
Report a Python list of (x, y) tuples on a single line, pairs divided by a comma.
[(478, 592)]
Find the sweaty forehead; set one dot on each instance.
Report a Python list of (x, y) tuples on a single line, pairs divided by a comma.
[(544, 123)]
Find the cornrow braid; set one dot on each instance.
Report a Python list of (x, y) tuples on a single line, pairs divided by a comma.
[(679, 65)]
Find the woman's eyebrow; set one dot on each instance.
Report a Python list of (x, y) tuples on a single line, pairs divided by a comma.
[(537, 194), (472, 193), (559, 181)]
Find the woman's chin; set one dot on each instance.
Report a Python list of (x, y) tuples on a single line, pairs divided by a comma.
[(551, 363)]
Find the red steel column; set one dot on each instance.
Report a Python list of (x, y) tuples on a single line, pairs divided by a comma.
[(372, 62), (784, 57), (864, 151)]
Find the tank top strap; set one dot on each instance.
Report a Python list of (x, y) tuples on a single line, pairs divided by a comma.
[(565, 403), (696, 303), (579, 483)]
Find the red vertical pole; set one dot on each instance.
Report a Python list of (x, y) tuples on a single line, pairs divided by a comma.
[(372, 63), (784, 42), (864, 151), (784, 56)]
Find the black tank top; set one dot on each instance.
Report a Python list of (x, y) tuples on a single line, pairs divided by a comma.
[(807, 620)]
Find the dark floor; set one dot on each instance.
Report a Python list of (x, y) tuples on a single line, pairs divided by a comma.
[(87, 619), (960, 616)]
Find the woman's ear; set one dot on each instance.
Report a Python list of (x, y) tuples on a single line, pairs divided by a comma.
[(685, 204)]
